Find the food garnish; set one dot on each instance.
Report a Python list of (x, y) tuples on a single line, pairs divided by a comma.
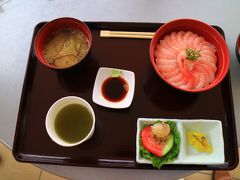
[(199, 141), (160, 142), (116, 73), (192, 54)]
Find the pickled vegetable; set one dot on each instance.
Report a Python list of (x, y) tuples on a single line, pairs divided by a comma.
[(199, 141)]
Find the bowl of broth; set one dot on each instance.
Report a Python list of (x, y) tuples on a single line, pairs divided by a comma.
[(70, 121), (62, 43)]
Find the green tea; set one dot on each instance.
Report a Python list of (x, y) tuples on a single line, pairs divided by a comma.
[(73, 123)]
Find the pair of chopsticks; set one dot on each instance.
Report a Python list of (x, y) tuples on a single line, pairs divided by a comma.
[(126, 34)]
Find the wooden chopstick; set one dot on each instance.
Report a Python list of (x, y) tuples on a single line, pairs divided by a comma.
[(126, 34)]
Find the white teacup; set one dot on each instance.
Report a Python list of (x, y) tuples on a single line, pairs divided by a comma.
[(51, 117)]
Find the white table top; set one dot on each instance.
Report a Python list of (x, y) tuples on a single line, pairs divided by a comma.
[(18, 19)]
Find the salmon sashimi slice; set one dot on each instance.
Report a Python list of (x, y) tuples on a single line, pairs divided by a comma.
[(190, 41), (180, 40), (174, 38), (188, 85), (172, 44), (165, 68), (197, 42), (168, 75), (186, 36), (209, 63), (176, 78), (163, 61), (210, 55), (208, 47), (164, 55), (159, 53), (205, 44), (205, 67), (201, 80), (182, 82), (210, 58), (208, 76), (163, 44), (165, 49)]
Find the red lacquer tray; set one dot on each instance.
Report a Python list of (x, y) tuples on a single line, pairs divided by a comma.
[(113, 143)]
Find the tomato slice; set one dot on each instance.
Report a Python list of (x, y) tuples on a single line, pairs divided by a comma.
[(150, 143)]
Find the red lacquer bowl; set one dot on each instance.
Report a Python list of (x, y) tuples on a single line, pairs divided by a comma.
[(237, 49), (202, 29), (58, 24)]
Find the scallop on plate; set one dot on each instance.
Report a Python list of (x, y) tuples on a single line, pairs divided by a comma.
[(189, 141)]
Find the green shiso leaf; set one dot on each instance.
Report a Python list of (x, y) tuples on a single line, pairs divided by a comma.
[(170, 156), (116, 73)]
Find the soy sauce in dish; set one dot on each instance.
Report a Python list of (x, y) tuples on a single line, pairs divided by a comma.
[(114, 89)]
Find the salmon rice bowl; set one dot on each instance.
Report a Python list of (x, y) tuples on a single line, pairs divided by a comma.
[(186, 60)]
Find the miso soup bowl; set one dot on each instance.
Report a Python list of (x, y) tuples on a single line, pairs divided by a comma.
[(51, 117), (53, 26), (209, 33)]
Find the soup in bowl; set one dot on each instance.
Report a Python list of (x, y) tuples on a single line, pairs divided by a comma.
[(63, 43)]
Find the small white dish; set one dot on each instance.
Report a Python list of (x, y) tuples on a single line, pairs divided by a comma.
[(213, 131), (104, 73), (187, 154)]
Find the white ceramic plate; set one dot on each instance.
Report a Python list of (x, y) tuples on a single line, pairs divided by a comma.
[(102, 75), (187, 154)]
